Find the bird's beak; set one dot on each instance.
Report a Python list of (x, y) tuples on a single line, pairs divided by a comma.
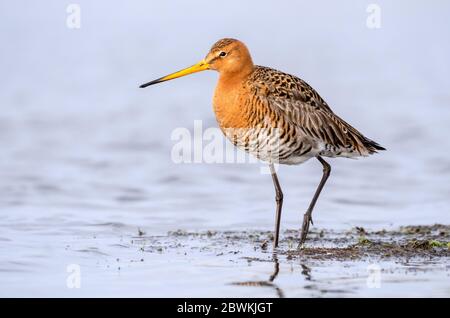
[(200, 66)]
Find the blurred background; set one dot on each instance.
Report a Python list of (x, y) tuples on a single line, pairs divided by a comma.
[(85, 152)]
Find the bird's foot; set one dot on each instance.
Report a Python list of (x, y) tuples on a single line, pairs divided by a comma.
[(307, 220)]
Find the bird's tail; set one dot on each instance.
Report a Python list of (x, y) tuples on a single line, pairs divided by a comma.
[(372, 146)]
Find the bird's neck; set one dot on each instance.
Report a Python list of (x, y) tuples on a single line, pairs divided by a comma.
[(227, 105)]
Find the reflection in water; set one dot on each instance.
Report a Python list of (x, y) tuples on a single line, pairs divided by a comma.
[(269, 282), (306, 271)]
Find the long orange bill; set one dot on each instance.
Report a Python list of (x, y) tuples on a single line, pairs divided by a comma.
[(201, 66)]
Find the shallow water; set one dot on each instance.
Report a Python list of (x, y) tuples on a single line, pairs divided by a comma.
[(86, 162)]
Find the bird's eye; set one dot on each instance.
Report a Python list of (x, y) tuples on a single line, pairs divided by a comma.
[(223, 54)]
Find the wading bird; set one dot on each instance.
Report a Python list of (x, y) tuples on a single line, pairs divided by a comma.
[(275, 116)]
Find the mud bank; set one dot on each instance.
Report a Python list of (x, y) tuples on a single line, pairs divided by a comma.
[(408, 242)]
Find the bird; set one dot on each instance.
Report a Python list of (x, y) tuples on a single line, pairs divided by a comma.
[(277, 117)]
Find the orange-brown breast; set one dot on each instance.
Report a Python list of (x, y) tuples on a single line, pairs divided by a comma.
[(227, 104), (235, 106)]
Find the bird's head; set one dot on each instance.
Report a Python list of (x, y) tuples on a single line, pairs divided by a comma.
[(227, 56)]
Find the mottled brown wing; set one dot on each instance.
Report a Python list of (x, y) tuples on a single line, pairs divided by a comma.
[(315, 122), (302, 106)]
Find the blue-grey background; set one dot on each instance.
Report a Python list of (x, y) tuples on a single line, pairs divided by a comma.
[(85, 153)]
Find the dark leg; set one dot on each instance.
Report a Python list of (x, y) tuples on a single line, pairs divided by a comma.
[(279, 200), (307, 219)]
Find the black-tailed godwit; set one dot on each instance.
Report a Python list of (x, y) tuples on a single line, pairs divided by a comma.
[(275, 116)]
